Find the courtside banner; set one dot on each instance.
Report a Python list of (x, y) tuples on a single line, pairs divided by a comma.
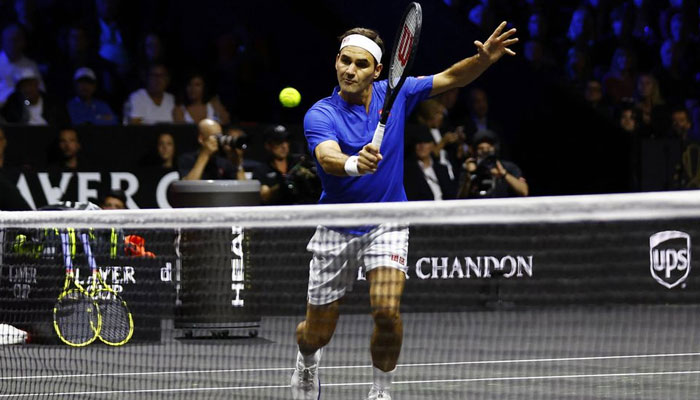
[(504, 266), (241, 275)]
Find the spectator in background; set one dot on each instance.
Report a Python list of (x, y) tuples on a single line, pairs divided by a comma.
[(30, 106), (644, 26), (152, 50), (487, 175), (38, 30), (678, 29), (620, 80), (84, 108), (538, 56), (452, 116), (77, 52), (537, 48), (581, 28), (599, 11), (235, 152), (199, 104), (152, 104), (680, 124), (479, 120), (537, 27), (281, 168), (628, 120), (593, 95), (621, 35), (69, 156), (113, 39), (13, 61), (650, 105), (166, 151), (671, 72), (206, 163), (424, 177), (163, 155), (578, 68), (114, 199), (665, 15), (448, 146), (271, 173), (482, 15)]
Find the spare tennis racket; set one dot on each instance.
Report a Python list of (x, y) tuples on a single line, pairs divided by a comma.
[(403, 53), (117, 323), (76, 318)]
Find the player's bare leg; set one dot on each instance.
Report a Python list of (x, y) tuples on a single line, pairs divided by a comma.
[(317, 329), (386, 288), (312, 334)]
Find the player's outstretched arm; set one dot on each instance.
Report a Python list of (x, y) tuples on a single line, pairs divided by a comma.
[(334, 161), (468, 69)]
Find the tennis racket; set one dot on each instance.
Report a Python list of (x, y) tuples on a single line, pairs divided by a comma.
[(76, 317), (403, 54), (117, 323)]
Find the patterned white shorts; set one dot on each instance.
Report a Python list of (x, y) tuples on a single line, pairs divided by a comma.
[(337, 256)]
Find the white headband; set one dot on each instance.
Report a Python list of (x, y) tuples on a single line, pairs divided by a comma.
[(363, 42)]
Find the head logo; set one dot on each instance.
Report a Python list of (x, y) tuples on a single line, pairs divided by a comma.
[(669, 254)]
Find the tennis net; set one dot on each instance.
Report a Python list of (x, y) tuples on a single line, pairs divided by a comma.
[(577, 297)]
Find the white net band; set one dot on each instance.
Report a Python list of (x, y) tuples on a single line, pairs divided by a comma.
[(617, 207)]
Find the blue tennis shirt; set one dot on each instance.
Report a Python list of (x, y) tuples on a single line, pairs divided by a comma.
[(332, 118)]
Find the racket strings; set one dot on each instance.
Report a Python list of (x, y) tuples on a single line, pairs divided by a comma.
[(116, 320), (405, 45), (76, 317)]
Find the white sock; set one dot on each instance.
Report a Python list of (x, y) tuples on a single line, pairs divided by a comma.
[(311, 359), (382, 380)]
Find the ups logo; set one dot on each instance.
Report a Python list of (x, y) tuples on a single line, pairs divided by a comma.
[(669, 254)]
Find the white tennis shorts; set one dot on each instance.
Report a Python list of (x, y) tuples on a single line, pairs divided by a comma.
[(337, 256)]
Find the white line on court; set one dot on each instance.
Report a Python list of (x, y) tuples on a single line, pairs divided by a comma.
[(415, 365), (421, 382)]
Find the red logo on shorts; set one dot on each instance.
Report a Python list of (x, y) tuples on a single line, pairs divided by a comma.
[(398, 259)]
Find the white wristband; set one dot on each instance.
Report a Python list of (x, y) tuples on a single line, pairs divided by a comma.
[(351, 166)]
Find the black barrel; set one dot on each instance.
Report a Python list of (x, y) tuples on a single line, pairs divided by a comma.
[(213, 273), (214, 193)]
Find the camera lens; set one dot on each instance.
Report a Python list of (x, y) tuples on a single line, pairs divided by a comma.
[(240, 142), (224, 140)]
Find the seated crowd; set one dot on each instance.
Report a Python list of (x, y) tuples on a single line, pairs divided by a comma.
[(630, 60)]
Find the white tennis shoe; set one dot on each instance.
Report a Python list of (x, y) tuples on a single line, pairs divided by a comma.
[(305, 382), (378, 394)]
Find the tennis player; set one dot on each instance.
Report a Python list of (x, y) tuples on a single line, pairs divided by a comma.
[(338, 130)]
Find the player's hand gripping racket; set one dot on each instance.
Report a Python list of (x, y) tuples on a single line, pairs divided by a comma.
[(117, 323), (405, 45), (76, 318)]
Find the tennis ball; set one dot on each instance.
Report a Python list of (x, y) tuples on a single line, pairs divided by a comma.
[(290, 97)]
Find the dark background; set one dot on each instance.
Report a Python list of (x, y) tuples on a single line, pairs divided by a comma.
[(562, 146)]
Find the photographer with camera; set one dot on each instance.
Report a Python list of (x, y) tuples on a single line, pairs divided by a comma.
[(235, 148), (486, 175), (207, 163), (286, 178)]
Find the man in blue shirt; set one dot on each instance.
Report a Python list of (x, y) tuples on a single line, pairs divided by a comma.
[(339, 132), (84, 108)]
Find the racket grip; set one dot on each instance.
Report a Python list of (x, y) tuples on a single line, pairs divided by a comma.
[(378, 135)]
